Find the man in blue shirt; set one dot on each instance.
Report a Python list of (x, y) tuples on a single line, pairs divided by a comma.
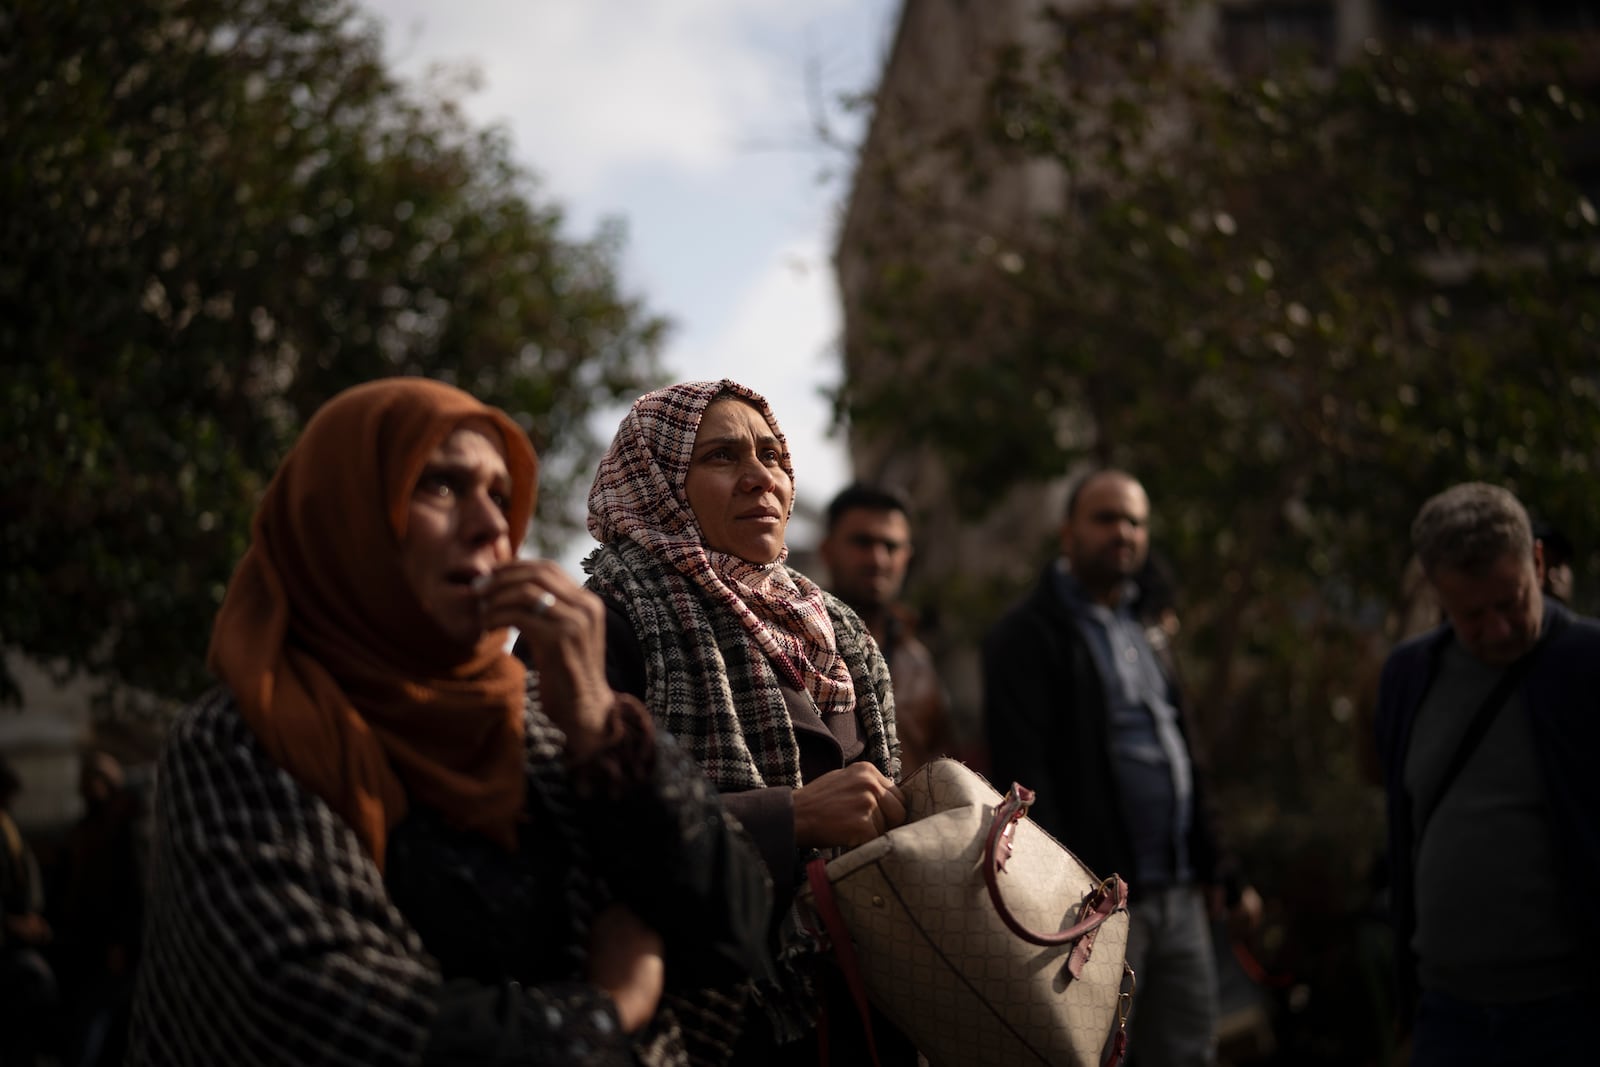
[(1079, 708)]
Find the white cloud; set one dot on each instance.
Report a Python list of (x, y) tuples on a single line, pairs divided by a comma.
[(590, 87)]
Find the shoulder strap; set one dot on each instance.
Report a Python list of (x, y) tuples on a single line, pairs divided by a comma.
[(1486, 714), (844, 954)]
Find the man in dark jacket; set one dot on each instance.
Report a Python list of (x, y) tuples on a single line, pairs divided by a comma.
[(1489, 735), (1079, 708)]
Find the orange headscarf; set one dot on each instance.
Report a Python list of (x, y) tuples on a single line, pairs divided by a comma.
[(336, 666)]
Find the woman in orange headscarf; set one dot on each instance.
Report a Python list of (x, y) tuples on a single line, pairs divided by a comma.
[(381, 840)]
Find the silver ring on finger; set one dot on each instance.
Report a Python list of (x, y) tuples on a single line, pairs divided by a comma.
[(546, 601)]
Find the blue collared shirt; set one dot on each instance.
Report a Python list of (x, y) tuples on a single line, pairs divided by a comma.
[(1151, 761)]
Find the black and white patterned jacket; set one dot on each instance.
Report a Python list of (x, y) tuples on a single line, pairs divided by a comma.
[(271, 937)]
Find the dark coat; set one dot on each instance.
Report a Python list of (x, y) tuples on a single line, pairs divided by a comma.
[(1561, 695), (274, 939), (1047, 724)]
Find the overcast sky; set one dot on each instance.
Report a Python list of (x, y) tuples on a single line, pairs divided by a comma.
[(691, 121)]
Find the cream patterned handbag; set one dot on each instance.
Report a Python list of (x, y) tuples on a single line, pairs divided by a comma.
[(977, 933)]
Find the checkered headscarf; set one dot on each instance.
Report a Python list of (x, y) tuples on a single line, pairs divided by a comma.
[(639, 495)]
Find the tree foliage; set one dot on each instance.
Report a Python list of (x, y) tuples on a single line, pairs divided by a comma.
[(1295, 305), (218, 214)]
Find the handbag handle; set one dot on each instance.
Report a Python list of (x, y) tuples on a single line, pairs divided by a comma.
[(1097, 907)]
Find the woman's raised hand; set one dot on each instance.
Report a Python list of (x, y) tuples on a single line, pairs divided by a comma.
[(847, 807), (564, 626)]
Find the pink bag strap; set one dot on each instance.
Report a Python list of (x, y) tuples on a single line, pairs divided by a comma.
[(1097, 906), (844, 952)]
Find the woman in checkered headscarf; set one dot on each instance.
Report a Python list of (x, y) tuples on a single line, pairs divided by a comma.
[(773, 684)]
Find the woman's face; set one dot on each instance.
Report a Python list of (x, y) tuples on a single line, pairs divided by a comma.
[(737, 486), (457, 531)]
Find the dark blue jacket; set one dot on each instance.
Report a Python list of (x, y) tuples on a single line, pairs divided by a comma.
[(1046, 722), (1561, 696)]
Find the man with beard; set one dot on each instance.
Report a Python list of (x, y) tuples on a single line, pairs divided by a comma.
[(867, 550), (1079, 708)]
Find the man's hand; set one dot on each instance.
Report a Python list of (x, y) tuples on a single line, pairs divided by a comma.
[(1243, 917)]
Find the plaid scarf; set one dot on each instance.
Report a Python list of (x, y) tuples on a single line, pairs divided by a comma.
[(639, 495), (711, 688)]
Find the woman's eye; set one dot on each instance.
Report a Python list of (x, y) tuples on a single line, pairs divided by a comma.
[(501, 501), (435, 487)]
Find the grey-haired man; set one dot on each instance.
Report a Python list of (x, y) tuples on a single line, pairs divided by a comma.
[(1489, 732)]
